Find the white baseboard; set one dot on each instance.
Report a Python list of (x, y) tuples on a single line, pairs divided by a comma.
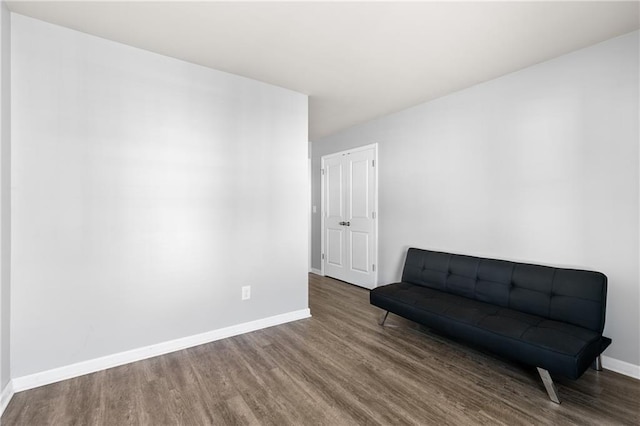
[(316, 271), (5, 396), (91, 366), (621, 367)]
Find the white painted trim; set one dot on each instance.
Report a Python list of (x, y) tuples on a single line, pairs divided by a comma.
[(5, 396), (621, 367), (316, 271), (310, 213), (91, 366), (322, 206)]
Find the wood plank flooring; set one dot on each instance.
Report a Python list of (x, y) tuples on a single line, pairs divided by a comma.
[(337, 368)]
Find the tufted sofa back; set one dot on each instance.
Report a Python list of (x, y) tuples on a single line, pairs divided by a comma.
[(574, 296)]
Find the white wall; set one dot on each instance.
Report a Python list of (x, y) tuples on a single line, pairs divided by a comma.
[(5, 194), (146, 192), (540, 165)]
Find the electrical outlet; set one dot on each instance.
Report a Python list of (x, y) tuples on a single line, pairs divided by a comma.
[(246, 292)]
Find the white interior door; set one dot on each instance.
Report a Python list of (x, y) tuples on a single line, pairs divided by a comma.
[(349, 213)]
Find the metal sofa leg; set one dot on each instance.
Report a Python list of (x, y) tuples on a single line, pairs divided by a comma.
[(384, 318), (597, 364), (548, 384)]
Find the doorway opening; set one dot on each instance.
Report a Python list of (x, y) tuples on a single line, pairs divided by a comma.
[(349, 220)]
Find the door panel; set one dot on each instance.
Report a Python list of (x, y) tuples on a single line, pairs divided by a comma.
[(335, 244), (359, 189), (360, 252), (335, 194), (349, 221)]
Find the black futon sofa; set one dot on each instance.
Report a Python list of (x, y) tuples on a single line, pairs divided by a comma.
[(550, 318)]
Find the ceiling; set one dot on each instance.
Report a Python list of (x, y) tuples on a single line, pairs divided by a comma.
[(358, 60)]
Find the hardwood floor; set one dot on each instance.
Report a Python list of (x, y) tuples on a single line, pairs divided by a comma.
[(337, 368)]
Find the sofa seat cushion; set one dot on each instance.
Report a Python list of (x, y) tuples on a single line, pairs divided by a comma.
[(556, 346)]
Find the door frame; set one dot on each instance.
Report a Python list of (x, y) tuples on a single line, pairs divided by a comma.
[(375, 204)]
